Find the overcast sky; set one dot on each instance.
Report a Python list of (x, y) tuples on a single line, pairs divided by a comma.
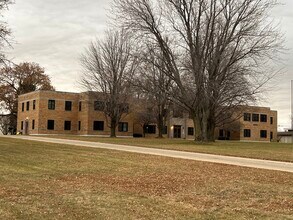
[(54, 33)]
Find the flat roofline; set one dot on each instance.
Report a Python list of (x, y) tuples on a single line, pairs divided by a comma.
[(40, 91)]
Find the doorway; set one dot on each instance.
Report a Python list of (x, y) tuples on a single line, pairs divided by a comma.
[(177, 131)]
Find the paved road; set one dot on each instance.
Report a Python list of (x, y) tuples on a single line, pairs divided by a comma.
[(238, 161)]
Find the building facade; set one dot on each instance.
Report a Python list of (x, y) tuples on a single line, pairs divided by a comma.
[(51, 112)]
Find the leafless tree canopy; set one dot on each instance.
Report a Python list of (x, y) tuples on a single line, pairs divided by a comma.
[(215, 51), (108, 67), (5, 32)]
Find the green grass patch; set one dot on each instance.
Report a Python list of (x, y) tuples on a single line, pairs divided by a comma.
[(50, 181), (257, 150)]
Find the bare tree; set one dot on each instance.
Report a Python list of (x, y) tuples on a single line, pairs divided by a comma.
[(108, 67), (154, 84), (215, 51), (4, 124), (5, 32)]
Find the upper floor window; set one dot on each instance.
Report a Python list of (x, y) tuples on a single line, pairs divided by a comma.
[(68, 105), (99, 106), (34, 104), (27, 106), (247, 117), (22, 107), (263, 118), (79, 106), (123, 127), (51, 104), (255, 117), (272, 120)]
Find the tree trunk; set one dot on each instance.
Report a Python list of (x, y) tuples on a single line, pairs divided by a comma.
[(113, 128), (160, 123)]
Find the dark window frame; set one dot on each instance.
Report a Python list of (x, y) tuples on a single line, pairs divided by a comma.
[(263, 133), (79, 125), (34, 104), (190, 131), (22, 107), (28, 105), (123, 127), (263, 118), (51, 104), (247, 116), (247, 133), (80, 106), (255, 117), (150, 129), (68, 106), (272, 120), (98, 125), (21, 125), (51, 125), (67, 125), (33, 124)]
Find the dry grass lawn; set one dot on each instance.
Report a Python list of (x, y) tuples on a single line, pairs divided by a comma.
[(49, 181), (268, 151)]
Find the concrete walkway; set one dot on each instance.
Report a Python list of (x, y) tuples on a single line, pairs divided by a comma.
[(238, 161)]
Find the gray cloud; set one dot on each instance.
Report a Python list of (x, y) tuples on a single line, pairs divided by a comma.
[(54, 33)]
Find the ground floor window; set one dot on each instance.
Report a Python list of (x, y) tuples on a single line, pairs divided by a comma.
[(33, 124), (190, 131), (150, 129), (123, 127), (79, 125), (67, 125), (165, 130), (247, 133), (21, 126), (98, 126), (263, 134), (50, 124)]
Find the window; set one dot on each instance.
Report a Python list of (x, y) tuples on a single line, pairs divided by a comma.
[(247, 133), (22, 107), (51, 104), (21, 126), (27, 106), (33, 124), (272, 120), (50, 125), (34, 104), (255, 117), (79, 106), (190, 131), (79, 125), (150, 129), (272, 136), (99, 106), (247, 117), (165, 130), (123, 127), (98, 126), (263, 118), (68, 105), (263, 134), (67, 125)]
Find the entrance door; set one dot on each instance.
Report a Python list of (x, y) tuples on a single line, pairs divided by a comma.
[(177, 131), (26, 127)]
